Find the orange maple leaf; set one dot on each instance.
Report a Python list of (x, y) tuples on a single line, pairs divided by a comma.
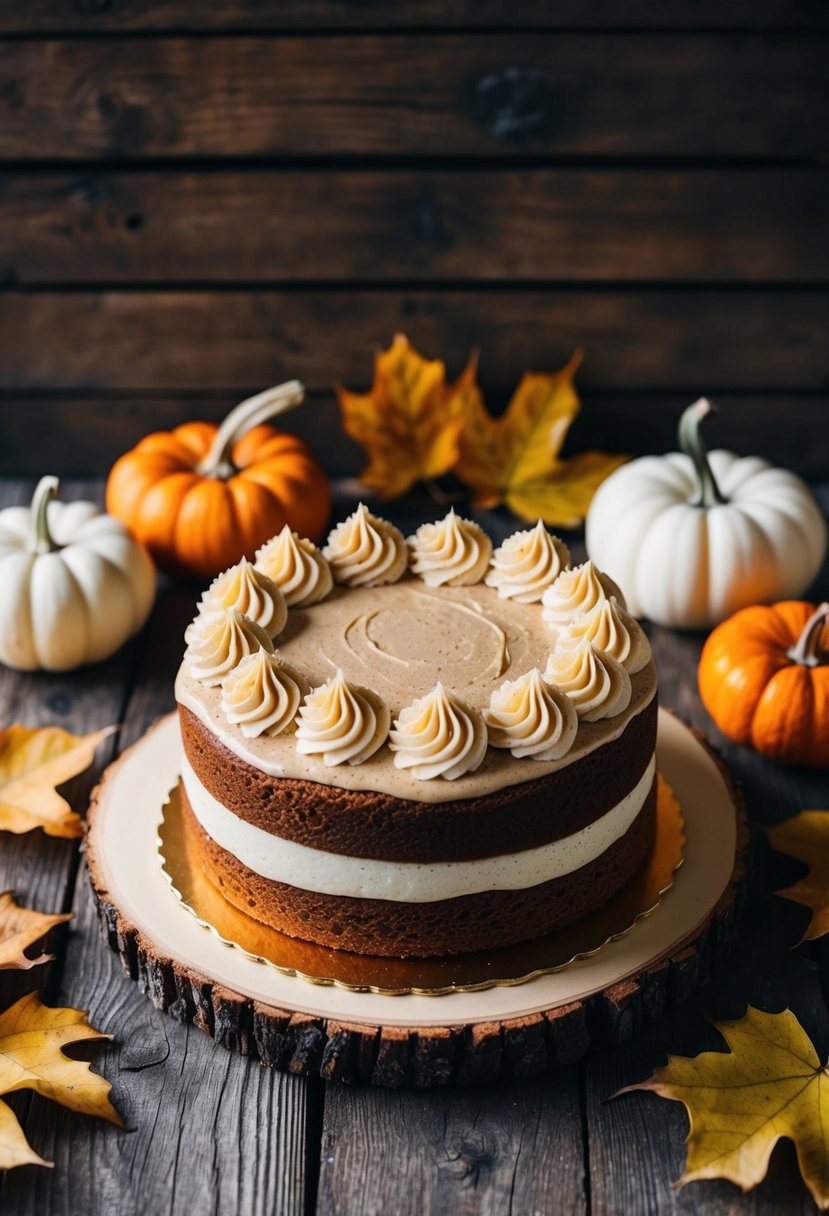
[(32, 763), (19, 929), (514, 459), (410, 422), (31, 1040)]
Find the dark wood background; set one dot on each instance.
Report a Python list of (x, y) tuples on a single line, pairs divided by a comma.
[(201, 198)]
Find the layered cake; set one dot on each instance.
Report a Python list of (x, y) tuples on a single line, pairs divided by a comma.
[(411, 747)]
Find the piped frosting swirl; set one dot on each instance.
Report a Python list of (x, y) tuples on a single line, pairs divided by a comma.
[(577, 590), (612, 630), (262, 695), (341, 722), (453, 552), (596, 683), (297, 567), (438, 735), (525, 565), (218, 641), (249, 590), (365, 551), (531, 718)]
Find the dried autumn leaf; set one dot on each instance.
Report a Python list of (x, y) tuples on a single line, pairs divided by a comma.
[(514, 459), (770, 1085), (806, 837), (410, 422), (32, 763), (31, 1038), (21, 928)]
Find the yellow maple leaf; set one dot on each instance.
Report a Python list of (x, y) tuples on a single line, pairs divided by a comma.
[(514, 459), (770, 1085), (31, 1038), (806, 837), (32, 763), (410, 421), (20, 928)]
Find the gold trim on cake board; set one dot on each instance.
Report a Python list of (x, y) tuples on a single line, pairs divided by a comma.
[(505, 967)]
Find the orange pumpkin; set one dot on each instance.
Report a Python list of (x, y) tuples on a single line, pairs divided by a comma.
[(764, 679), (201, 496)]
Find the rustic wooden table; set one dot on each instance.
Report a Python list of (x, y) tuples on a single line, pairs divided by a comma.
[(216, 1133)]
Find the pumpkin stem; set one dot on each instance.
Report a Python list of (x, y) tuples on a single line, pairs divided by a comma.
[(243, 418), (45, 490), (690, 440), (804, 650)]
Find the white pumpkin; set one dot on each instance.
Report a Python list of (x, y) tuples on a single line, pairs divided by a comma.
[(693, 536), (74, 585)]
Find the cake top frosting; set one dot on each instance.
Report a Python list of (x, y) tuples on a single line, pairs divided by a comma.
[(459, 671)]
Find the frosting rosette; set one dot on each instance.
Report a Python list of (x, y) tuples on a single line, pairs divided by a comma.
[(250, 591), (596, 683), (438, 735), (341, 722), (578, 590), (452, 552), (364, 551), (531, 718), (525, 565), (612, 630), (262, 695), (218, 641), (297, 567)]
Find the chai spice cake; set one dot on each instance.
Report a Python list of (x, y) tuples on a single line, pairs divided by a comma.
[(417, 747)]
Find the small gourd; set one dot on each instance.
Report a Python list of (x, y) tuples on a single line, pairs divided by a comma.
[(201, 496), (74, 585), (764, 679), (692, 536)]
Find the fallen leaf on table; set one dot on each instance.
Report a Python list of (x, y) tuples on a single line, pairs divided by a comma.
[(31, 1038), (410, 421), (20, 928), (514, 459), (32, 763), (806, 837), (740, 1103)]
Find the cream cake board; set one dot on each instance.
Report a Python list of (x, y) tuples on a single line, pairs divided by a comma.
[(127, 876)]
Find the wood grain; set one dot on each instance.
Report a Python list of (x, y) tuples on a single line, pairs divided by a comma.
[(213, 1131), (529, 95), (240, 340), (513, 1148), (91, 16), (105, 426), (499, 224)]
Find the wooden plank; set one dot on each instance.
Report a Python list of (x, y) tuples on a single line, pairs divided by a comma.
[(426, 95), (39, 868), (636, 1144), (104, 426), (42, 868), (236, 340), (213, 1130), (487, 225), (82, 16), (511, 1148)]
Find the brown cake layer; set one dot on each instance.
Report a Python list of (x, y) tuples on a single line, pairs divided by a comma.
[(366, 823), (451, 926)]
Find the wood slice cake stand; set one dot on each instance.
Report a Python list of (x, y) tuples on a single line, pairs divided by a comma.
[(462, 1037)]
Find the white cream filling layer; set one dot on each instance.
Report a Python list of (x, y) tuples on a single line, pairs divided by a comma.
[(408, 882)]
